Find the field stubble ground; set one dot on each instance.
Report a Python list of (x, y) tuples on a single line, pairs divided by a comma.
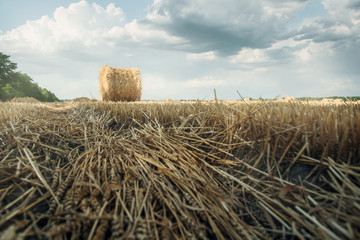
[(180, 170)]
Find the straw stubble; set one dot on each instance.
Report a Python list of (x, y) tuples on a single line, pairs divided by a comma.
[(175, 170)]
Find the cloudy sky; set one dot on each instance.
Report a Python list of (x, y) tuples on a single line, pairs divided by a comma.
[(187, 48)]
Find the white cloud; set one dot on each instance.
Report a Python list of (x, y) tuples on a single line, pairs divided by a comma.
[(81, 24), (208, 81), (201, 56), (283, 9), (186, 48), (341, 24), (147, 35), (312, 51), (224, 27), (344, 9), (248, 55), (84, 27)]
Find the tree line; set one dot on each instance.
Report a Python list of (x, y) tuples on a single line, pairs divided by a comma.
[(16, 84)]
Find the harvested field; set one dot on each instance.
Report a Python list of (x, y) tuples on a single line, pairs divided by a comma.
[(25, 99), (83, 99), (174, 170)]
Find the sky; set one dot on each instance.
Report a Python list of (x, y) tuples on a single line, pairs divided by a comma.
[(187, 48)]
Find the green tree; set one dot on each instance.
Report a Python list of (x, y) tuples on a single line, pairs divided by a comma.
[(10, 92), (48, 96), (6, 66), (17, 84), (2, 93)]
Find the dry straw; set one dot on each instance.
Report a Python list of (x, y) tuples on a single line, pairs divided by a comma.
[(120, 84), (175, 170), (25, 99), (83, 99)]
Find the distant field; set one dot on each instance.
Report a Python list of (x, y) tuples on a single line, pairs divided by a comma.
[(282, 169)]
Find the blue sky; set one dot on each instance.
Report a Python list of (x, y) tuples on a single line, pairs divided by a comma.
[(312, 9), (16, 12), (187, 48)]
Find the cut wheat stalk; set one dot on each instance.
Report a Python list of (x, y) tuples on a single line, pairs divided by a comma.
[(227, 171)]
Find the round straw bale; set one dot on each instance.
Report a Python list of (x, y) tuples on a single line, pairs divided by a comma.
[(25, 99), (289, 99), (120, 84), (327, 100), (81, 99), (339, 101)]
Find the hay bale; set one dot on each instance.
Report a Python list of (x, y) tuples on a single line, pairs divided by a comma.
[(289, 99), (83, 99), (327, 100), (120, 84), (25, 99), (339, 101)]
